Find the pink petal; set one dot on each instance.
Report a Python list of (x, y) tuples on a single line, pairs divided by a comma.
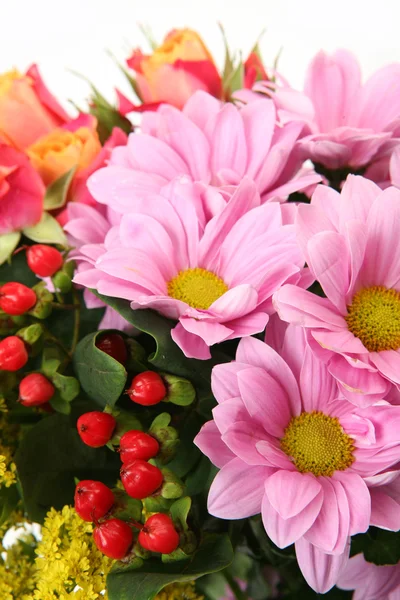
[(244, 198), (356, 199), (248, 325), (385, 511), (259, 124), (235, 303), (303, 308), (200, 108), (382, 262), (317, 386), (228, 143), (117, 186), (325, 530), (359, 499), (256, 353), (229, 412), (329, 261), (265, 400), (224, 382), (151, 155), (274, 455), (211, 333), (290, 492), (241, 438), (320, 570), (188, 140), (210, 443), (133, 266), (284, 532), (237, 490), (388, 363), (191, 345)]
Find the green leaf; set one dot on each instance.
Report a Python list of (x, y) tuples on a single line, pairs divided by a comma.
[(379, 546), (197, 479), (229, 66), (179, 512), (8, 243), (168, 356), (126, 583), (9, 498), (180, 390), (59, 404), (47, 231), (50, 456), (236, 80), (102, 377), (68, 387), (17, 270), (57, 192)]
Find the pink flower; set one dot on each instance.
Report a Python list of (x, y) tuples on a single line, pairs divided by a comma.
[(370, 581), (350, 242), (216, 277), (21, 191), (213, 144), (395, 168), (289, 447), (87, 229), (353, 123)]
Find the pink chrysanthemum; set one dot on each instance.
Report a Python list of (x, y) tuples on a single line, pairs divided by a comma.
[(212, 143), (216, 277), (350, 242), (353, 123), (370, 581), (290, 448), (87, 229)]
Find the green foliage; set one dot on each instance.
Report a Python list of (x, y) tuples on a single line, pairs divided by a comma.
[(127, 583), (168, 356), (49, 457), (102, 377), (378, 546), (9, 498), (57, 192)]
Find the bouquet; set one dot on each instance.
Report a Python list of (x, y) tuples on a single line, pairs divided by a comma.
[(200, 333)]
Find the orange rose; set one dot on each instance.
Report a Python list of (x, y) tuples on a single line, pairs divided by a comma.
[(176, 69), (61, 150), (27, 109)]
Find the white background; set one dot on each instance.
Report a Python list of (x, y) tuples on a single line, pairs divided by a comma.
[(75, 34)]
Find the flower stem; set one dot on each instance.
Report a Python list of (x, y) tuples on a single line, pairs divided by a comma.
[(77, 306), (65, 306)]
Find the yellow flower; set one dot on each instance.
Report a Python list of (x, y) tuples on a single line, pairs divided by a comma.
[(17, 571), (68, 563), (179, 591)]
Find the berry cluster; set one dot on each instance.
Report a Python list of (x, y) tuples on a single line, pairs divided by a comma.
[(23, 314), (94, 501)]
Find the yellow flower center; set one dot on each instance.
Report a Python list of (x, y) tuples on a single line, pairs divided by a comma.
[(317, 444), (374, 318), (197, 287)]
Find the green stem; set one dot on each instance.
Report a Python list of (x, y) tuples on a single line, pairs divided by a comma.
[(237, 592), (51, 338), (65, 306), (75, 335)]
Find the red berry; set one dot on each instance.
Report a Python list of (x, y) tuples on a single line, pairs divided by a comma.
[(136, 444), (16, 298), (140, 479), (113, 344), (93, 500), (113, 538), (44, 260), (35, 389), (13, 354), (147, 389), (96, 428), (159, 534)]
